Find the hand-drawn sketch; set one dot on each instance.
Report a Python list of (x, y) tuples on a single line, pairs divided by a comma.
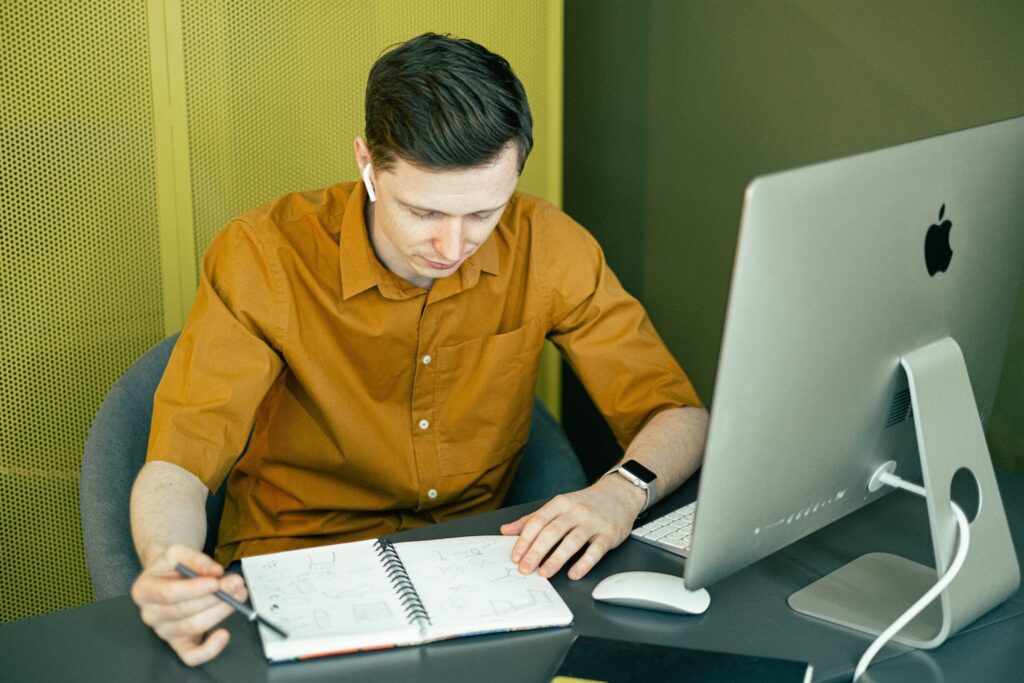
[(451, 572), (295, 622), (322, 619), (457, 603), (533, 598), (509, 574), (304, 585), (371, 611), (477, 554), (269, 572), (355, 592), (319, 562)]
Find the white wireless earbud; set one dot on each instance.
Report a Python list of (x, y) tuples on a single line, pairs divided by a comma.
[(369, 184)]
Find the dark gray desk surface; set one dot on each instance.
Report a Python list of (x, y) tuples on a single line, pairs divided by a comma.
[(748, 614)]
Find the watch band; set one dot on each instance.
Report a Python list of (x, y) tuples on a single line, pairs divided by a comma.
[(639, 476)]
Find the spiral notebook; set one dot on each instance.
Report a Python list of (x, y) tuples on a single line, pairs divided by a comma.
[(376, 594)]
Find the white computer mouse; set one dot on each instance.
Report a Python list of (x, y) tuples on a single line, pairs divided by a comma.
[(652, 590)]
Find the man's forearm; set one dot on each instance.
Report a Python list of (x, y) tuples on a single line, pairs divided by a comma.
[(168, 507), (671, 445)]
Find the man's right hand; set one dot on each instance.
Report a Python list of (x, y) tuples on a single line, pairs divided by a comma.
[(181, 610)]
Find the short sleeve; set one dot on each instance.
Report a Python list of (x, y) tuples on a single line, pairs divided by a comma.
[(224, 361), (604, 333)]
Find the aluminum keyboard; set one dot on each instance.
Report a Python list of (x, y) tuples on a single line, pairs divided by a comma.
[(671, 531)]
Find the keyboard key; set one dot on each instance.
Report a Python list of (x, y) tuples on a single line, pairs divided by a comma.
[(658, 533), (681, 545), (672, 531)]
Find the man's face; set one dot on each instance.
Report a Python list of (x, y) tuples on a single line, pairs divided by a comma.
[(425, 223)]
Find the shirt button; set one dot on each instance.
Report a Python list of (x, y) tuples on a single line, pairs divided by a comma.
[(432, 494), (424, 424), (426, 360)]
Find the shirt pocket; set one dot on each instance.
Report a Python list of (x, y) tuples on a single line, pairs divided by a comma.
[(485, 398)]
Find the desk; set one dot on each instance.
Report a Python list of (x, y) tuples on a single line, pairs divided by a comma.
[(748, 614)]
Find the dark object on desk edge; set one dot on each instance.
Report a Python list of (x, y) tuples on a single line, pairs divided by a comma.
[(623, 661)]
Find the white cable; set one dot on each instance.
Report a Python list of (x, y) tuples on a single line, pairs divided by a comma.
[(891, 479), (963, 541)]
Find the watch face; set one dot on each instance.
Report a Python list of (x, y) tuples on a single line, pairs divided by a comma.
[(639, 471)]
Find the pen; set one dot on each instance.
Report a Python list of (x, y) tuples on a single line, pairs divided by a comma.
[(249, 612)]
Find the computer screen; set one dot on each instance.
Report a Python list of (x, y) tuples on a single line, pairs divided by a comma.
[(856, 284)]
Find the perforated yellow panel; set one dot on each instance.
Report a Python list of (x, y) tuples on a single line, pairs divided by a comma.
[(275, 90), (131, 131), (80, 294)]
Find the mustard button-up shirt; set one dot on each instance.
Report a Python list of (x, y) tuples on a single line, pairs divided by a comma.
[(341, 402)]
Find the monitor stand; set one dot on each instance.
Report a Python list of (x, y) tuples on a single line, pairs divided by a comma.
[(871, 592)]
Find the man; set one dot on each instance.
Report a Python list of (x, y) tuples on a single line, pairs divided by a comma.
[(371, 350)]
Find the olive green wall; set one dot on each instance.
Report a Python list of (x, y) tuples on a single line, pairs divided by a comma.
[(671, 108)]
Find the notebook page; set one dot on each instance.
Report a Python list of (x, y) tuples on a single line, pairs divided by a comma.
[(471, 585), (329, 599)]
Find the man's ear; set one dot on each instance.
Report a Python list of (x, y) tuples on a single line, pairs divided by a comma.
[(362, 151)]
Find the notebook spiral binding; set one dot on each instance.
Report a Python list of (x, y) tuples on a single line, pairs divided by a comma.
[(400, 581)]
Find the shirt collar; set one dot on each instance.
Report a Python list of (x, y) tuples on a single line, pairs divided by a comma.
[(486, 257), (358, 261)]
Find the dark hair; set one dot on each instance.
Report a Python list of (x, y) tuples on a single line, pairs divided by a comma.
[(445, 103)]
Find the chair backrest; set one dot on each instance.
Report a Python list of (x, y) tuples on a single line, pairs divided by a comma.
[(115, 451)]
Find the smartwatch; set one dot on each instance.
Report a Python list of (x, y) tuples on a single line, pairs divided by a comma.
[(640, 476)]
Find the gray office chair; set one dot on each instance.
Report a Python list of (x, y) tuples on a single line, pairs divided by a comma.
[(116, 449)]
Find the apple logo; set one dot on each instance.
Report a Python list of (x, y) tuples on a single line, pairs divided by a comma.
[(937, 252)]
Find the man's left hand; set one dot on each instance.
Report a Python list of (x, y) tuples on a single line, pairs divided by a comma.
[(599, 516)]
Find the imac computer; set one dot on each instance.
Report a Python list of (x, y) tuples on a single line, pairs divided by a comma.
[(869, 312)]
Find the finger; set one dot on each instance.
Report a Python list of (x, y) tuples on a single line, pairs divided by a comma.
[(197, 561), (532, 526), (515, 527), (234, 585), (166, 591), (542, 544), (161, 582), (196, 625), (565, 550), (531, 530), (156, 615), (595, 552), (195, 653)]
